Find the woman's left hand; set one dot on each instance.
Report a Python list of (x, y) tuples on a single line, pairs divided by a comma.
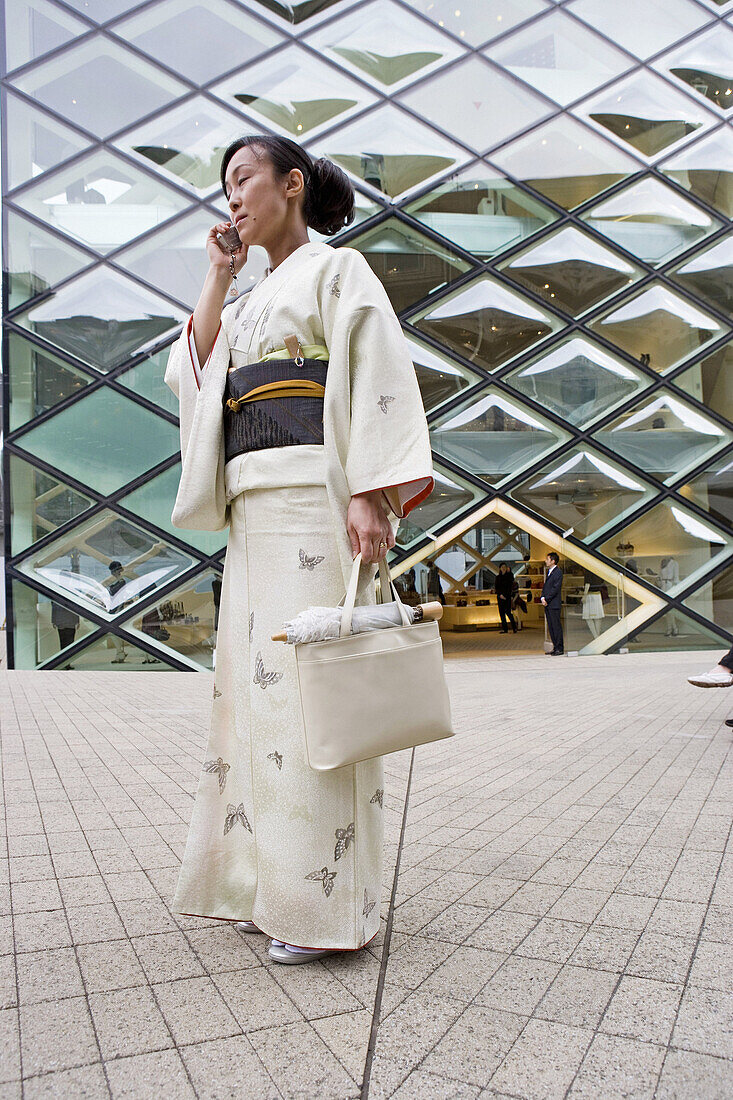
[(369, 529)]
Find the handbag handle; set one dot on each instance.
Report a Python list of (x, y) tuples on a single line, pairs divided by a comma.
[(385, 586)]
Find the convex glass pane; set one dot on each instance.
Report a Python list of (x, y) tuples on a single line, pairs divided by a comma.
[(100, 86), (481, 211), (486, 323), (571, 270), (115, 653), (559, 57), (578, 381), (711, 381), (493, 437), (651, 220), (664, 436), (461, 99), (473, 21), (705, 169), (709, 275), (146, 380), (583, 492), (103, 319), (671, 631), (298, 11), (185, 620), (705, 64), (659, 328), (38, 380), (713, 490), (200, 40), (102, 201), (566, 162), (44, 628), (103, 440), (450, 498), (106, 564), (409, 265), (34, 141), (35, 260), (715, 600), (669, 546), (438, 376), (154, 501), (294, 93), (642, 29), (37, 28), (39, 504)]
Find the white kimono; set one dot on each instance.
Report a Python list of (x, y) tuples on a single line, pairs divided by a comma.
[(297, 852)]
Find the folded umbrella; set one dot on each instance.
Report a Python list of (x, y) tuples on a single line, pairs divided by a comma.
[(317, 624)]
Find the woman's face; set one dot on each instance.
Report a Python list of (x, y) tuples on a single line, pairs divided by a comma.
[(261, 205)]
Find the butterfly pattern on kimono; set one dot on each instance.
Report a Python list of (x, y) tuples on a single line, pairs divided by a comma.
[(368, 905), (251, 626), (217, 693), (325, 877), (344, 838), (308, 561), (264, 679), (219, 768), (334, 287), (385, 400), (277, 757), (236, 814), (378, 797)]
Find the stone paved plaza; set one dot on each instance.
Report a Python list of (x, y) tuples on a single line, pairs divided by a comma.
[(561, 923)]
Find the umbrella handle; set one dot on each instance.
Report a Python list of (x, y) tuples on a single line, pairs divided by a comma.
[(430, 611)]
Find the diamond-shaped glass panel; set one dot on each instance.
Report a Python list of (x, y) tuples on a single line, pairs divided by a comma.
[(34, 142), (705, 169), (112, 653), (100, 86), (673, 631), (664, 436), (566, 162), (642, 29), (559, 57), (38, 380), (578, 381), (106, 564), (101, 200), (713, 490), (43, 628), (174, 258), (298, 11), (486, 323), (462, 99), (39, 504), (493, 437), (294, 93), (705, 64), (391, 152), (409, 265), (481, 211), (709, 275), (440, 378), (715, 600), (189, 35), (154, 501), (711, 381), (659, 328), (146, 380), (474, 21), (669, 546), (103, 319), (185, 145), (651, 220), (184, 620), (103, 440), (646, 113), (582, 492), (385, 45), (37, 28), (102, 10), (35, 260), (450, 498), (571, 271)]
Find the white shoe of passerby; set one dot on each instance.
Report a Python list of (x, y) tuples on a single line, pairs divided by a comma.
[(718, 677)]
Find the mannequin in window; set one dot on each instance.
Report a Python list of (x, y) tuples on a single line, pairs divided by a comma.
[(669, 577)]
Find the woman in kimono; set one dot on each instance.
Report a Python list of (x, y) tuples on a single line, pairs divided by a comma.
[(304, 482)]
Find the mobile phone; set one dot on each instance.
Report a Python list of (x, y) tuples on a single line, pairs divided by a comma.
[(229, 241)]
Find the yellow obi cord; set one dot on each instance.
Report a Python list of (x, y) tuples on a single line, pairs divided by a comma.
[(289, 387)]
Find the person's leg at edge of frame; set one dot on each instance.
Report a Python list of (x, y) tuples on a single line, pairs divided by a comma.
[(719, 676)]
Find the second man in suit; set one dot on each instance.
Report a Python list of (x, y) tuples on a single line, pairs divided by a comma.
[(552, 602)]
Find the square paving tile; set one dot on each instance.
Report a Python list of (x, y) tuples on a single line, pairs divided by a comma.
[(128, 1021), (543, 1061), (56, 1035)]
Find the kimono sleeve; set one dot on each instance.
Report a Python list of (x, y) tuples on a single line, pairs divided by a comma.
[(200, 502), (388, 446)]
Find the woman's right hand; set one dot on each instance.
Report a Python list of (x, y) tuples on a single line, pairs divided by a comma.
[(218, 258)]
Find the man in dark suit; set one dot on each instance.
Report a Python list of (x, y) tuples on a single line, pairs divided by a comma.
[(551, 600)]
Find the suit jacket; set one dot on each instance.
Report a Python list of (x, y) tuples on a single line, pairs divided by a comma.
[(552, 588)]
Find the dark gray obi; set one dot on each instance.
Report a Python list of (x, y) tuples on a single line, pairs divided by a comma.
[(257, 417)]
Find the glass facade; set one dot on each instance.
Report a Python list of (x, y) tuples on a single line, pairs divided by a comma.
[(545, 190)]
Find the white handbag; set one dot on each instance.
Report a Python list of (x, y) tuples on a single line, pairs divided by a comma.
[(365, 695)]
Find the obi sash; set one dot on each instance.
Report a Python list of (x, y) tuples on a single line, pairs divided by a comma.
[(273, 403)]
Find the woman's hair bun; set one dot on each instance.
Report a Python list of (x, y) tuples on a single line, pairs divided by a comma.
[(329, 204)]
